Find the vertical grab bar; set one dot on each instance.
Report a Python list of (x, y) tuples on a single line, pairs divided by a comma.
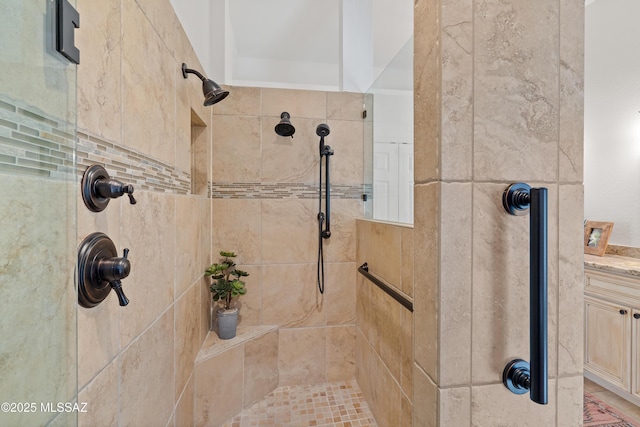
[(520, 376)]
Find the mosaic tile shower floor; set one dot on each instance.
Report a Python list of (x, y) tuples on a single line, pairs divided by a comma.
[(332, 404)]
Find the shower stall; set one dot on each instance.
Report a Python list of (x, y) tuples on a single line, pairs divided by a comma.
[(38, 190)]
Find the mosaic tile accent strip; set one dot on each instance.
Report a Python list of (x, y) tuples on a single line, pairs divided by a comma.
[(331, 404), (130, 166), (282, 190), (33, 143)]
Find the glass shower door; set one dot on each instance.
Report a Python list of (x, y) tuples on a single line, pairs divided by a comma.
[(38, 188)]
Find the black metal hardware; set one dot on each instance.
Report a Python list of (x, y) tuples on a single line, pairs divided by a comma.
[(67, 20), (324, 232), (623, 312), (364, 270), (100, 270), (519, 375), (636, 315), (364, 197), (98, 189)]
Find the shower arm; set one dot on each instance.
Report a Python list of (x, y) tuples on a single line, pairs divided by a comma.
[(186, 71)]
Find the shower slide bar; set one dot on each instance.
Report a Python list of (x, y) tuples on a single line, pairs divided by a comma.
[(364, 270), (520, 376)]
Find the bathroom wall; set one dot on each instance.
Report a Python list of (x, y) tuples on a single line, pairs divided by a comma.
[(265, 206), (612, 122), (135, 363), (384, 328), (498, 99)]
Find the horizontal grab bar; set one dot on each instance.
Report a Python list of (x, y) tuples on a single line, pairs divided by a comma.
[(364, 270)]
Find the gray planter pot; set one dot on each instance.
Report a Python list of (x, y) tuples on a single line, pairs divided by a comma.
[(227, 323)]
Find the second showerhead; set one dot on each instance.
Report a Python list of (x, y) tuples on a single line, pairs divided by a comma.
[(323, 130)]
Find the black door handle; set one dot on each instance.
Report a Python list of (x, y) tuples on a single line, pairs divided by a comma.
[(519, 376)]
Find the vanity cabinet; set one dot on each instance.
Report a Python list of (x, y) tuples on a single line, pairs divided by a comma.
[(612, 332)]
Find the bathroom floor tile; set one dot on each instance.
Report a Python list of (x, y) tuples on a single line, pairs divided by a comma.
[(330, 404)]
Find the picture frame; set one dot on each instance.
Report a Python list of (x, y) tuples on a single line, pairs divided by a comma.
[(596, 237)]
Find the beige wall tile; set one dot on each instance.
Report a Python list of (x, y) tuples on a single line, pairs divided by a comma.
[(516, 103), (346, 139), (98, 338), (570, 401), (199, 155), (364, 318), (425, 292), (425, 399), (236, 155), (147, 376), (407, 412), (495, 405), (218, 385), (286, 159), (386, 396), (183, 122), (150, 283), (289, 231), (298, 103), (427, 74), (341, 353), (345, 106), (205, 235), (241, 101), (380, 246), (363, 365), (406, 352), (99, 78), (571, 282), (406, 264), (205, 308), (165, 22), (260, 368), (290, 296), (457, 89), (101, 396), (238, 227), (107, 221), (454, 406), (148, 82), (571, 90), (184, 415), (187, 250), (340, 293), (250, 304), (455, 284), (341, 247), (187, 338), (387, 330), (301, 356)]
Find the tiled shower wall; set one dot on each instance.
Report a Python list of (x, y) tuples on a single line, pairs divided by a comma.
[(498, 99), (265, 206), (135, 363), (384, 334)]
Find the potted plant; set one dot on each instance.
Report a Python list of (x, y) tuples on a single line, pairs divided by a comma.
[(225, 286)]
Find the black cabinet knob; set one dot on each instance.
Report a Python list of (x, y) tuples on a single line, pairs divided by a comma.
[(623, 311), (636, 315)]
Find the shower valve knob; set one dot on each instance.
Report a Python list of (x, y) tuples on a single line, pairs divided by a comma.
[(98, 188), (100, 270)]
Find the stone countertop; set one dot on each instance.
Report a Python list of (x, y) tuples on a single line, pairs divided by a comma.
[(613, 264)]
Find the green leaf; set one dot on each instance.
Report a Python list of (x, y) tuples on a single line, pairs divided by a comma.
[(227, 254), (240, 273)]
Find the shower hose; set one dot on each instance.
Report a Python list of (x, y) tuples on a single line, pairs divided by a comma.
[(320, 246)]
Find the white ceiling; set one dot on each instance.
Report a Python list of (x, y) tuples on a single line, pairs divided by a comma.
[(309, 30)]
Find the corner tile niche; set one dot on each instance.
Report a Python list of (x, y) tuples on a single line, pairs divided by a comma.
[(249, 372)]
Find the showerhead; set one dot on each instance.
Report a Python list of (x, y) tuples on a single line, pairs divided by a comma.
[(323, 130), (285, 128), (213, 93)]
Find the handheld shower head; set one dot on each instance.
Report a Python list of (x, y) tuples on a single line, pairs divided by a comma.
[(323, 130), (285, 128)]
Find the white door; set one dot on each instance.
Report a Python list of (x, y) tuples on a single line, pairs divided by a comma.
[(405, 183), (385, 181)]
